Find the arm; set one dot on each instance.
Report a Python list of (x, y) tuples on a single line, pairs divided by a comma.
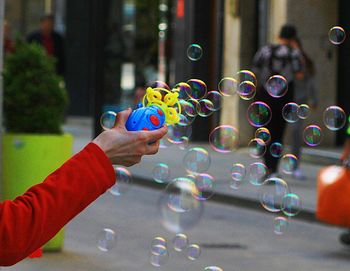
[(346, 150), (32, 219)]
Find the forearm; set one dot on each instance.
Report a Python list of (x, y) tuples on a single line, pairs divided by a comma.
[(32, 219)]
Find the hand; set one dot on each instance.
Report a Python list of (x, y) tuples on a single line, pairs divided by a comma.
[(346, 151), (126, 148)]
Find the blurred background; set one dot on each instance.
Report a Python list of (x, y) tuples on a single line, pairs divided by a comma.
[(114, 46)]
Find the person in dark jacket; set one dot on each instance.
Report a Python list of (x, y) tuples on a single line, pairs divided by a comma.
[(52, 41)]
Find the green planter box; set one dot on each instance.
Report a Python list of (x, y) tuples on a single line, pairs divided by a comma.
[(27, 160)]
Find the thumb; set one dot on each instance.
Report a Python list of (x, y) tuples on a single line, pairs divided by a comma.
[(122, 117)]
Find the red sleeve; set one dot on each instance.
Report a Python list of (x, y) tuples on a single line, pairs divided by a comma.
[(32, 219)]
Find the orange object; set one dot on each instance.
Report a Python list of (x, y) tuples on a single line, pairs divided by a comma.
[(333, 196), (36, 254)]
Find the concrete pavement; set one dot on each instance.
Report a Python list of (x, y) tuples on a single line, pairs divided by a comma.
[(312, 160)]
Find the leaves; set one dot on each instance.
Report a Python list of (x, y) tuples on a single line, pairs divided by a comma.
[(34, 99)]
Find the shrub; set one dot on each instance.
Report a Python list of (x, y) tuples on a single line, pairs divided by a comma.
[(34, 97)]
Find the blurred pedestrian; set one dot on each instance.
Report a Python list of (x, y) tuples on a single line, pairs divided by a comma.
[(32, 219), (51, 40), (8, 42), (140, 89), (304, 93), (277, 59), (345, 158)]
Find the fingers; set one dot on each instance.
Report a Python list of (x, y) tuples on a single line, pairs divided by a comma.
[(122, 117), (155, 135), (153, 149)]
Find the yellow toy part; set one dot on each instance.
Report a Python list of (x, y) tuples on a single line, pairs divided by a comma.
[(171, 98), (171, 116), (155, 97)]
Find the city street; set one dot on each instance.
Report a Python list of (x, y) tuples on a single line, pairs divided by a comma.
[(232, 238)]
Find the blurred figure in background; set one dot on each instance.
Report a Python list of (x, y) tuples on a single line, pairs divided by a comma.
[(277, 59), (8, 42), (140, 89), (52, 41), (345, 156), (304, 93)]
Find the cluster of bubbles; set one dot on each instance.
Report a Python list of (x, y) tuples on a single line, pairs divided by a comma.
[(181, 202), (159, 252)]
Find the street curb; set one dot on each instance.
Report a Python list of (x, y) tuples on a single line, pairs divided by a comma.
[(304, 215)]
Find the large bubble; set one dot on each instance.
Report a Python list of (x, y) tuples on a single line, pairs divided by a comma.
[(197, 160), (334, 118), (224, 139), (259, 114), (123, 181), (271, 194), (277, 86), (312, 135), (198, 89)]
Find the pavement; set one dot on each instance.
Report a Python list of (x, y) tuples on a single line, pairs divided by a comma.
[(234, 231), (313, 159)]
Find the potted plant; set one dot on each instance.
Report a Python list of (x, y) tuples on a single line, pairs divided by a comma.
[(34, 103)]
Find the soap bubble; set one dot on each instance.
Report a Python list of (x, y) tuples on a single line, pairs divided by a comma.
[(290, 112), (205, 108), (197, 160), (193, 252), (179, 194), (334, 118), (158, 84), (303, 111), (281, 225), (205, 186), (158, 241), (107, 120), (161, 173), (198, 89), (159, 256), (277, 86), (216, 98), (246, 90), (194, 52), (312, 135), (189, 107), (213, 268), (227, 86), (259, 114), (178, 208), (246, 76), (182, 88), (238, 172), (289, 163), (224, 139), (256, 148), (106, 240), (276, 149), (271, 194), (123, 181), (264, 134), (184, 143), (257, 173), (291, 204), (177, 131), (180, 242), (337, 35)]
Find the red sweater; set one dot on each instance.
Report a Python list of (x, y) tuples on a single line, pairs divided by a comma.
[(32, 219)]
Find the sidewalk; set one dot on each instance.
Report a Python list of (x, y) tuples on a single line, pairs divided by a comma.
[(246, 196)]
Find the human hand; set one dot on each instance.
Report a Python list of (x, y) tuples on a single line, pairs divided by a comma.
[(346, 151), (126, 148)]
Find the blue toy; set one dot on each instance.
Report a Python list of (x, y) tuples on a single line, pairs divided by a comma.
[(156, 110)]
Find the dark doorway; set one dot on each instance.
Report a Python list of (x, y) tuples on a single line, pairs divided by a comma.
[(343, 86)]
